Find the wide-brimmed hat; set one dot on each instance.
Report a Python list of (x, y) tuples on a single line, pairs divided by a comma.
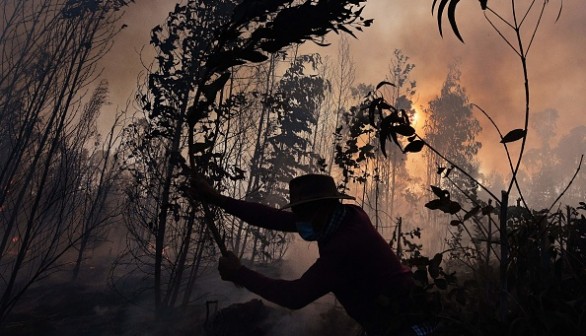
[(313, 187)]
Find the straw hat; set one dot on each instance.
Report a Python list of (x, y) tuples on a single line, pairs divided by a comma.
[(313, 187)]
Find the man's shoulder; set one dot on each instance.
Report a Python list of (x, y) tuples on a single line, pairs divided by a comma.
[(354, 212)]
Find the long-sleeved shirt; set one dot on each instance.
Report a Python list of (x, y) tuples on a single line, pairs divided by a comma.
[(355, 263)]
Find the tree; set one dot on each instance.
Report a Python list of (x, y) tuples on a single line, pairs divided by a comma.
[(49, 54), (401, 97), (198, 50), (452, 108), (288, 144), (344, 75), (540, 164)]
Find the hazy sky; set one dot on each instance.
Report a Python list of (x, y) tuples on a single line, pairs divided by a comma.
[(491, 72)]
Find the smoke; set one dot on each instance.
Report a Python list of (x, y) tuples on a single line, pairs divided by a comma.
[(491, 72)]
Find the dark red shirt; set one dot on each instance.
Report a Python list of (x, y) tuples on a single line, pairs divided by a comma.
[(355, 263)]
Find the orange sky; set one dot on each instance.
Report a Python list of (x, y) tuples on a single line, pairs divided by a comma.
[(490, 70)]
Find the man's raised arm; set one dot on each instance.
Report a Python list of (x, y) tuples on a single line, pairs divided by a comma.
[(253, 213)]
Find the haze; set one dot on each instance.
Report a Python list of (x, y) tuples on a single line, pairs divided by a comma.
[(491, 72)]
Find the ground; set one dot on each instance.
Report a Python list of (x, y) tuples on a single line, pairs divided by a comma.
[(89, 307)]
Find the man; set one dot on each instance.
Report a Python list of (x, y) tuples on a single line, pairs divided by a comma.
[(355, 262)]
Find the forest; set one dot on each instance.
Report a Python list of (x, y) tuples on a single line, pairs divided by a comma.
[(99, 234)]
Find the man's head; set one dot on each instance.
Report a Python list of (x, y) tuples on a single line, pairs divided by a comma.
[(313, 198), (313, 187)]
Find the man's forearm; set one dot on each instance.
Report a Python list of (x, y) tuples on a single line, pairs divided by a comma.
[(282, 292), (257, 214)]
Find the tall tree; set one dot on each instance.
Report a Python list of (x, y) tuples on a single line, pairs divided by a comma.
[(343, 77), (457, 142), (540, 164), (288, 145), (394, 174)]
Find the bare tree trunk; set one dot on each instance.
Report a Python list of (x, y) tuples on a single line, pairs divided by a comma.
[(178, 276), (162, 216), (344, 80)]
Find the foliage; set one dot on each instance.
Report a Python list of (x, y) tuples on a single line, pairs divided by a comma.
[(458, 142), (534, 288), (293, 107), (287, 149), (351, 147), (187, 110), (451, 14)]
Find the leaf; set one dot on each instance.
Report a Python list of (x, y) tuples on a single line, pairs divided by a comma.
[(448, 171), (471, 213), (439, 192), (433, 6), (404, 130), (487, 209), (379, 85), (433, 271), (451, 15), (384, 134), (454, 208), (371, 110), (560, 12), (343, 28), (421, 276), (514, 135), (452, 18), (419, 261), (437, 259), (383, 105), (440, 12), (434, 204), (211, 90), (414, 146), (441, 283), (198, 147), (483, 4)]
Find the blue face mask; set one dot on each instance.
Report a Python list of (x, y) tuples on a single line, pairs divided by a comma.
[(306, 231)]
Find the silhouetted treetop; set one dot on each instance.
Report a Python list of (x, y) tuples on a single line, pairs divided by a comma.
[(257, 27)]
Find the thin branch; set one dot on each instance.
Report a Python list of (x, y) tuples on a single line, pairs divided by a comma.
[(500, 17), (458, 168), (527, 100), (569, 184), (477, 222), (527, 12), (537, 24), (501, 34), (506, 150)]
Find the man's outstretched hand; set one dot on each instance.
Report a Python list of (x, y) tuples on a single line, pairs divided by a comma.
[(228, 266)]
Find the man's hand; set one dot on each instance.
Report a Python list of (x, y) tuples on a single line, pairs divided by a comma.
[(228, 266)]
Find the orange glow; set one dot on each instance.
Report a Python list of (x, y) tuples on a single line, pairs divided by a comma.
[(418, 120)]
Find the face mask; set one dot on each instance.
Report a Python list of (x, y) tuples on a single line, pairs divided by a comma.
[(306, 231)]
